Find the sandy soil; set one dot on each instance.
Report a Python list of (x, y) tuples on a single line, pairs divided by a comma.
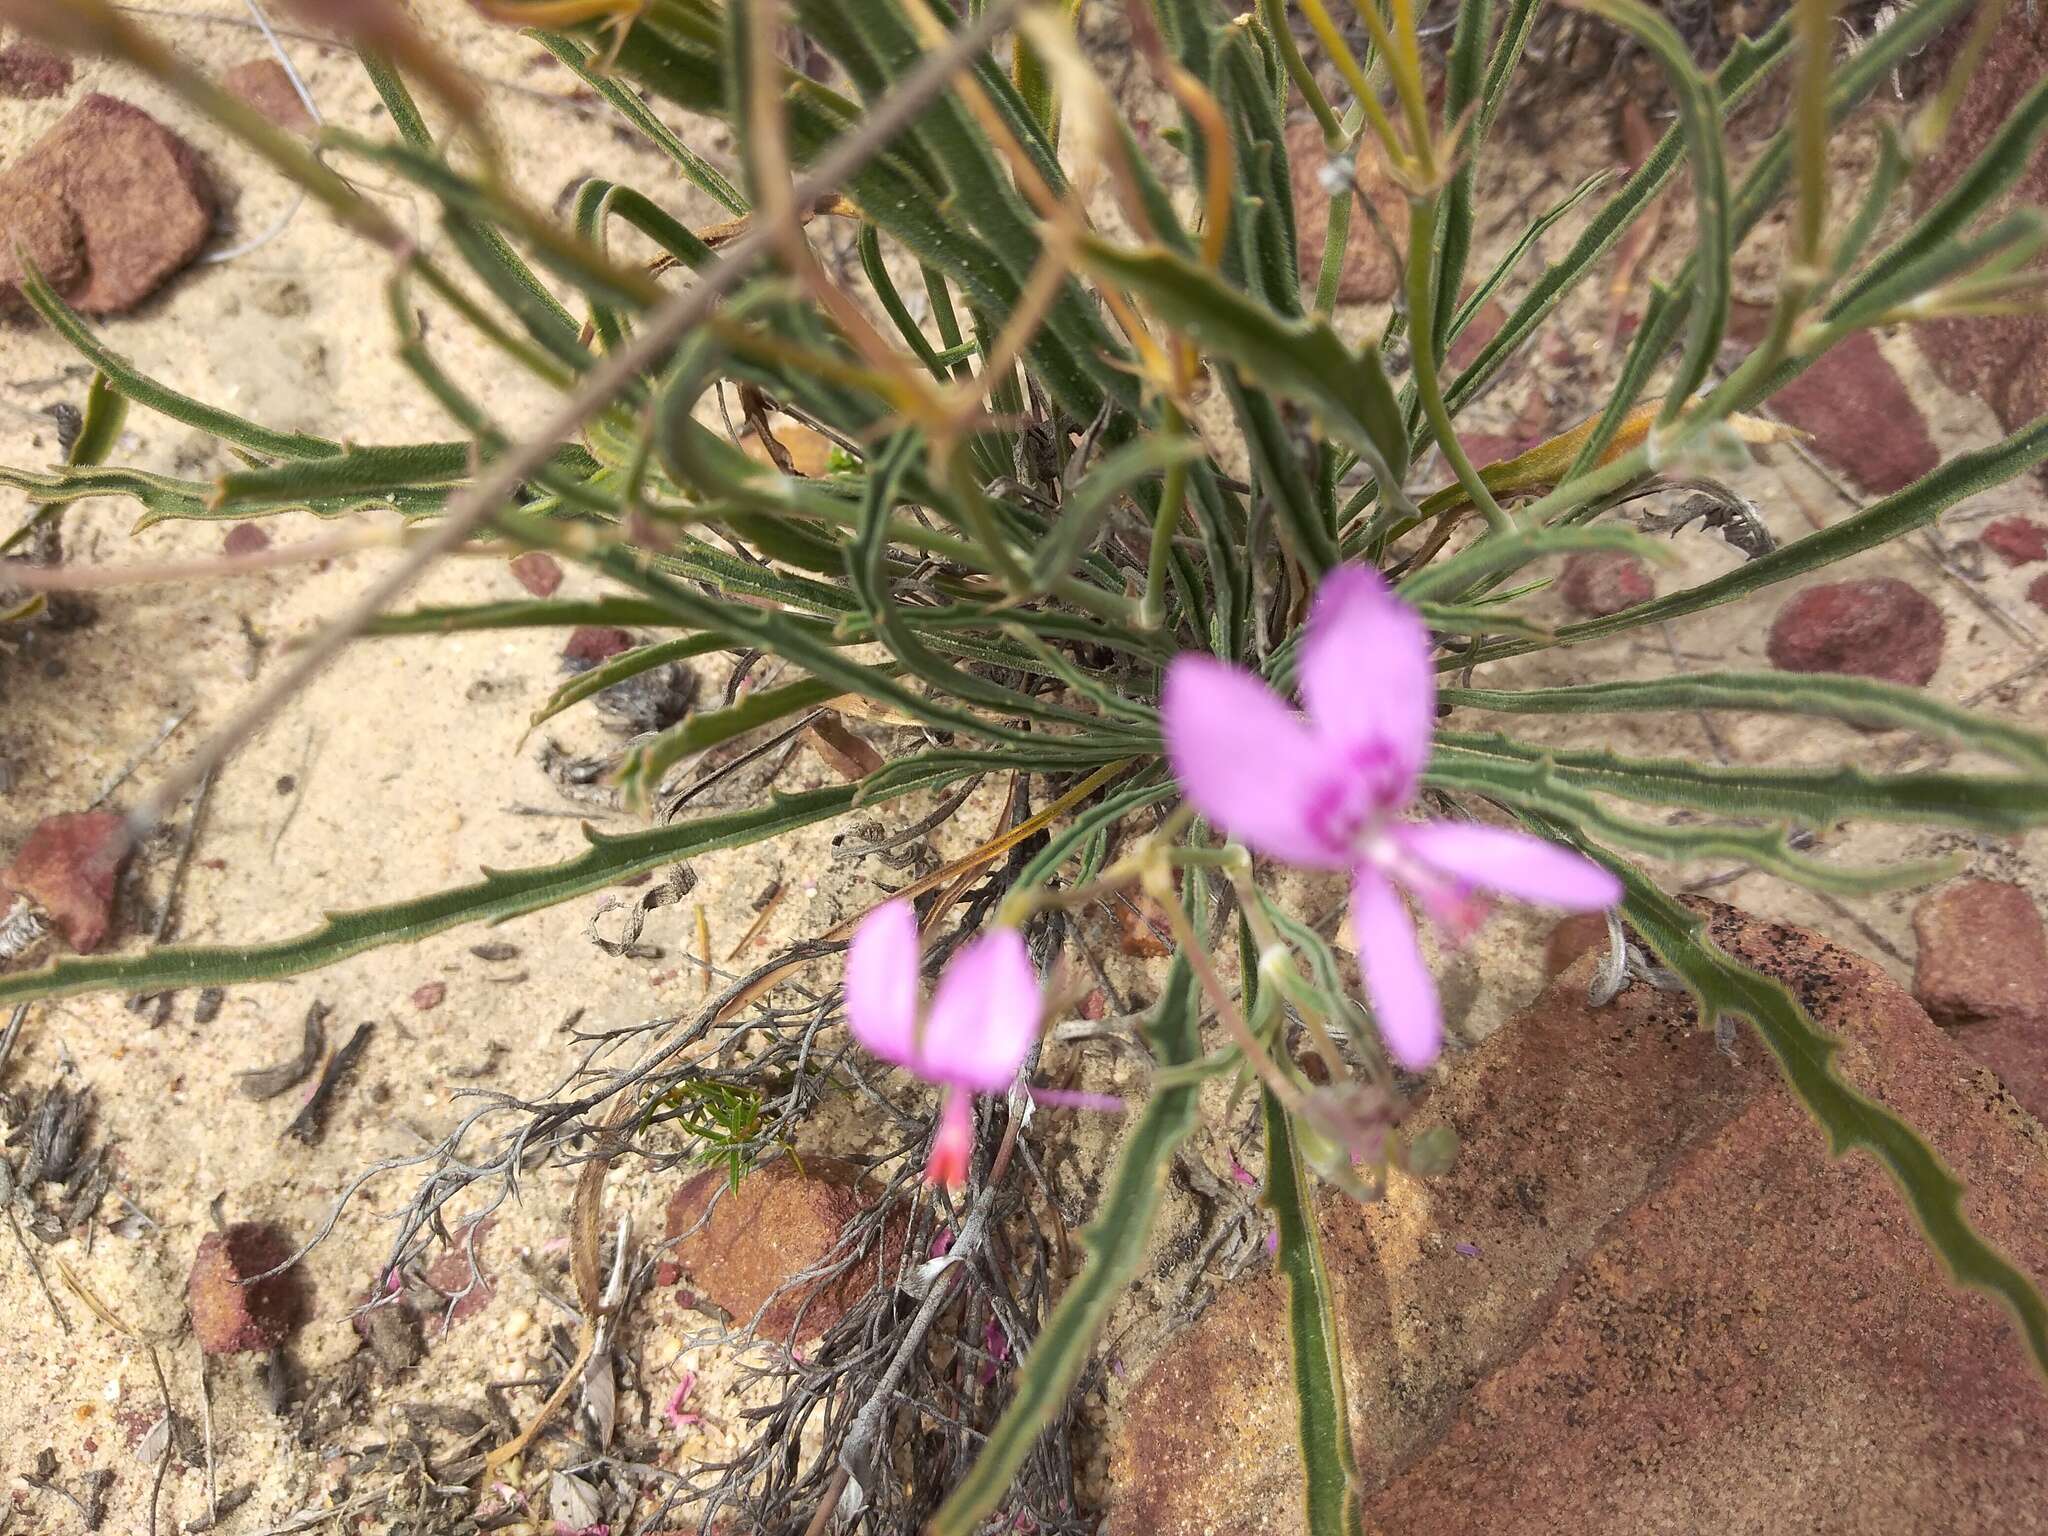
[(403, 771)]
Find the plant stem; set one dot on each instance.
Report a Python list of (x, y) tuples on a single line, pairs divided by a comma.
[(1159, 886), (1165, 524), (1422, 345)]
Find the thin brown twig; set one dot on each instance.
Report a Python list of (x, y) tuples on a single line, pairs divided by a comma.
[(663, 328)]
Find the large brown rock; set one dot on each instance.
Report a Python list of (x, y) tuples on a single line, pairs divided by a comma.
[(1371, 272), (143, 202), (1643, 1300), (2001, 359), (43, 225), (1881, 627), (781, 1222)]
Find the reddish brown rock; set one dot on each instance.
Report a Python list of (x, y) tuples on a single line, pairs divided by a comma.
[(264, 85), (46, 228), (1642, 1300), (1583, 933), (230, 1315), (1858, 415), (69, 867), (1879, 628), (1598, 582), (144, 204), (540, 573), (429, 995), (246, 539), (2037, 591), (1767, 1343), (31, 72), (2016, 540), (780, 1222), (1983, 955), (590, 644), (1371, 272)]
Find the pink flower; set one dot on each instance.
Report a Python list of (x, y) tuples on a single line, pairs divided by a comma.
[(1328, 792), (971, 1038), (673, 1409)]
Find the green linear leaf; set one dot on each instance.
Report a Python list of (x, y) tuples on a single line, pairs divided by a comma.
[(166, 499), (1536, 786), (1089, 822), (1329, 1464), (1749, 61), (501, 894), (388, 472), (535, 613), (1857, 700), (1115, 1242), (106, 409), (1814, 797), (1083, 510), (1724, 987), (1504, 552), (361, 469)]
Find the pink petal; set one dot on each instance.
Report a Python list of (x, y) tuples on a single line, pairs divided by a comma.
[(984, 1016), (1077, 1098), (1512, 863), (881, 983), (1403, 993), (1366, 673), (1246, 761)]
